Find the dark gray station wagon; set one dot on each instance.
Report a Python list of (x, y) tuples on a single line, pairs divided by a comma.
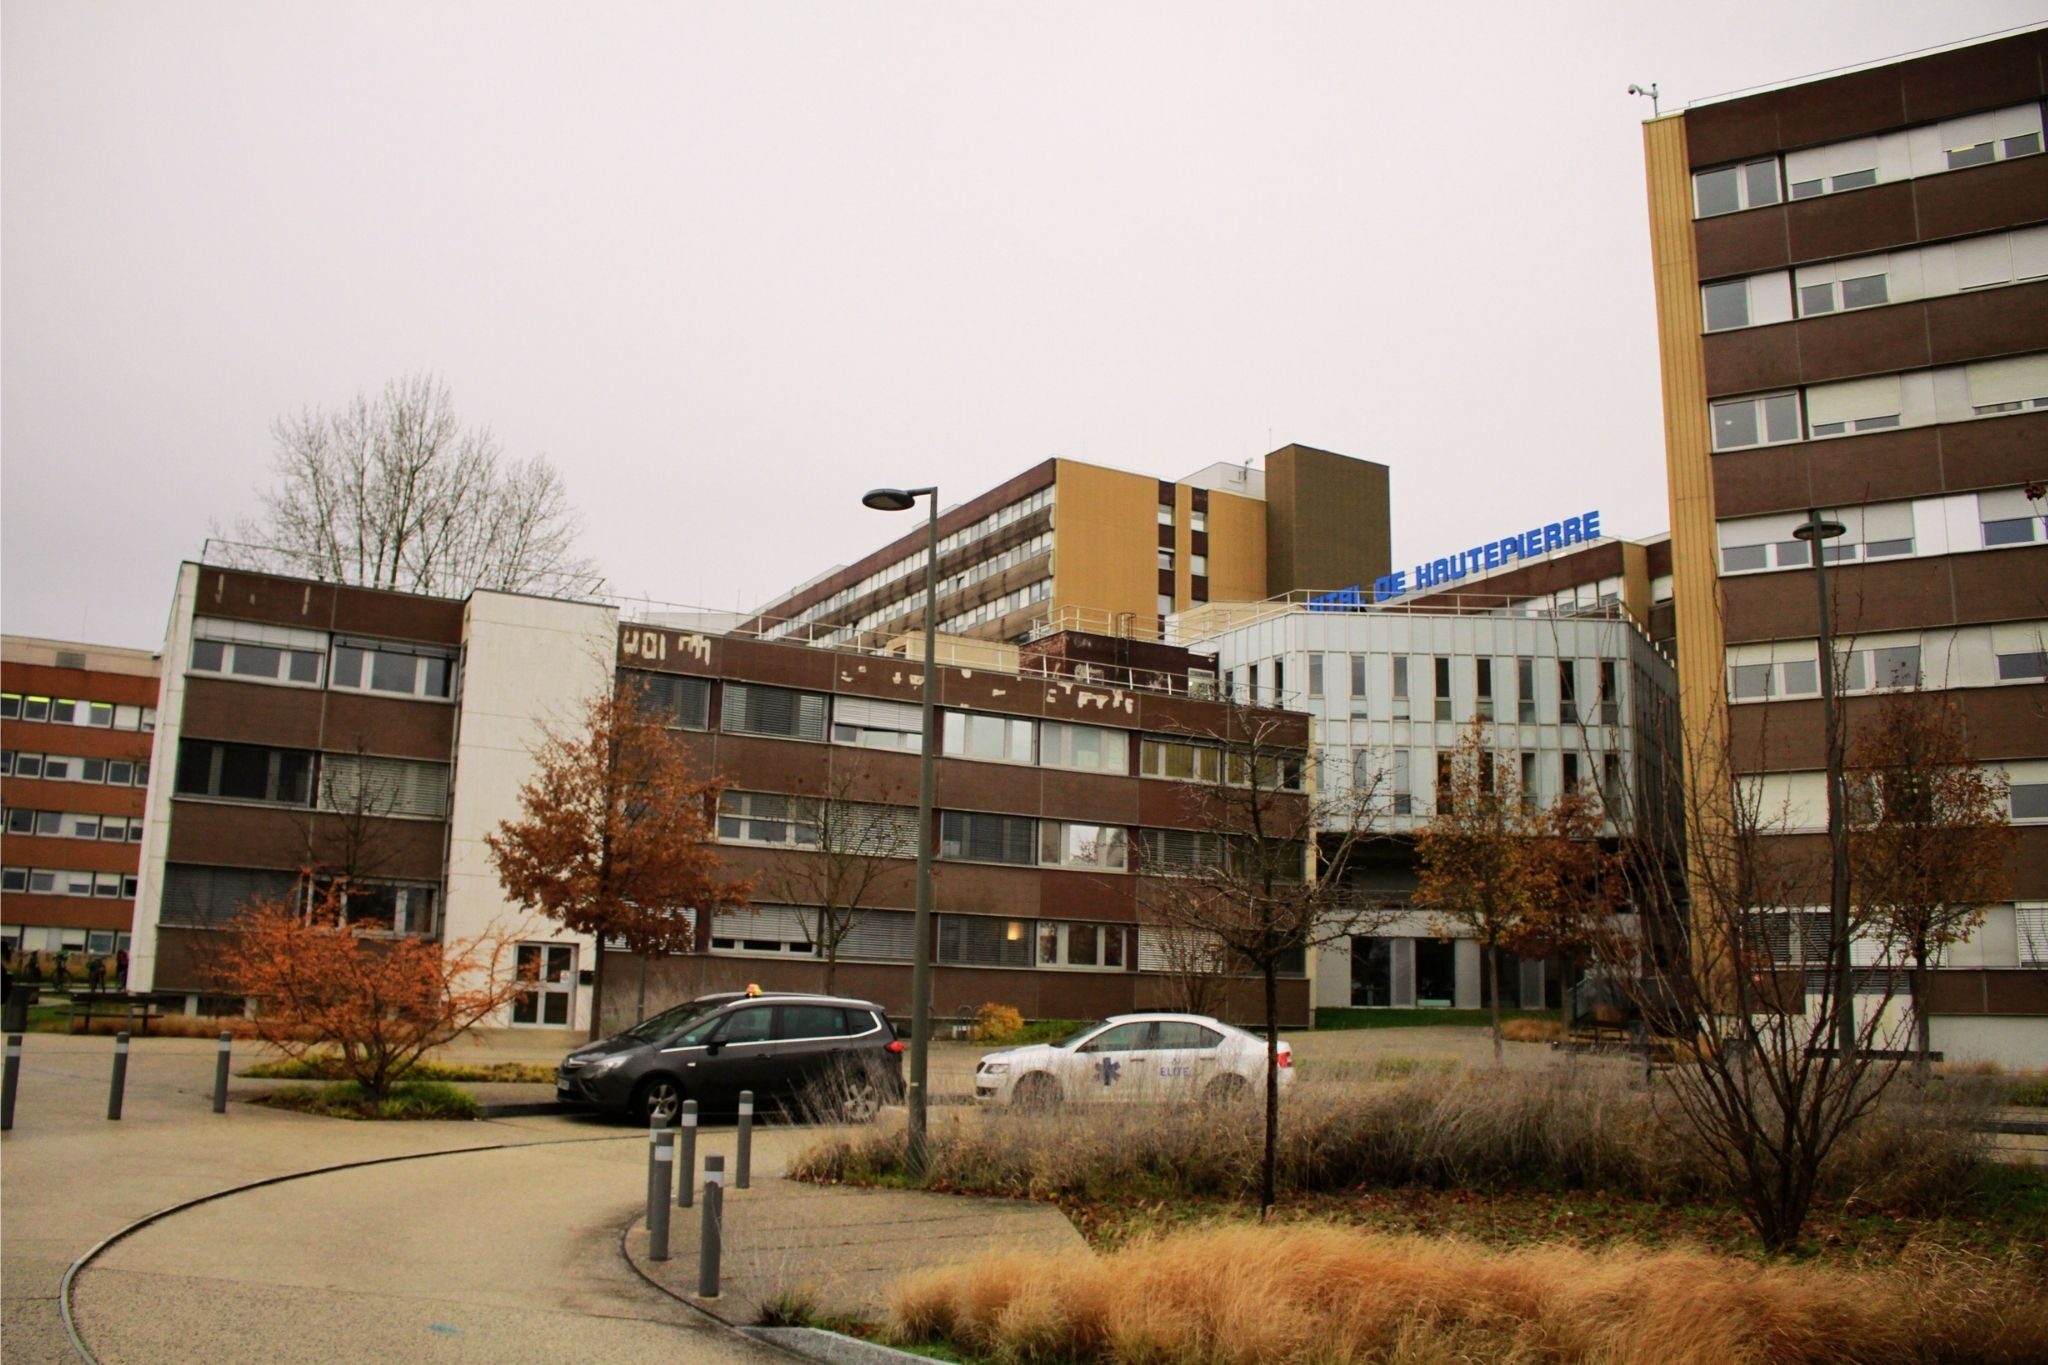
[(820, 1055)]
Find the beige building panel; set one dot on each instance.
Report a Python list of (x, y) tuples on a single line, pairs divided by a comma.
[(1106, 556), (1237, 548)]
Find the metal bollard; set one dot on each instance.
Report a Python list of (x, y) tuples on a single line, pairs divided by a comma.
[(709, 1225), (10, 1081), (120, 1082), (686, 1157), (743, 1164), (220, 1074), (661, 1161)]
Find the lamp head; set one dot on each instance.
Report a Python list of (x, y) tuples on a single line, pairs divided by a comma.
[(888, 500), (1825, 530)]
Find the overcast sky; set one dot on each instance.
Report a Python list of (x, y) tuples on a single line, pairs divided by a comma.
[(729, 266)]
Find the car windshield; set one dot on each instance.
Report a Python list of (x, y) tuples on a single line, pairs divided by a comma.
[(1073, 1039), (669, 1020)]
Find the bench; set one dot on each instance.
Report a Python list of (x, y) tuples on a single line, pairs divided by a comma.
[(133, 1008)]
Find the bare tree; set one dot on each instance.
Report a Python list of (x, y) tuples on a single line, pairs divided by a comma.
[(1270, 885), (860, 852), (1739, 967), (1928, 838), (395, 492)]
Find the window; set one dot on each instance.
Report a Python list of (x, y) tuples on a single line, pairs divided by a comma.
[(1762, 681), (1275, 772), (750, 709), (214, 895), (384, 666), (1198, 565), (246, 649), (1483, 682), (362, 785), (1726, 304), (765, 929), (1525, 691), (767, 818), (2008, 385), (1090, 748), (1166, 560), (2025, 665), (2029, 801), (1198, 520), (1182, 759), (679, 703), (1568, 691), (1731, 189), (1358, 691), (2006, 517), (1166, 514), (1097, 848), (1006, 739), (1167, 851), (1404, 794), (1769, 419), (1080, 945), (877, 724), (1879, 667), (982, 941), (1571, 772), (1857, 405), (1529, 792), (1442, 675), (1279, 683), (1610, 694), (1165, 604), (1315, 675), (1400, 687), (245, 772), (1444, 796), (981, 837)]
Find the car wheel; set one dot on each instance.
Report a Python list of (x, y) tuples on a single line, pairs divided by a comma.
[(859, 1101), (658, 1098), (1228, 1090), (1037, 1091)]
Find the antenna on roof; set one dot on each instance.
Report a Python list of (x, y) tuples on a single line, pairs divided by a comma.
[(1650, 92)]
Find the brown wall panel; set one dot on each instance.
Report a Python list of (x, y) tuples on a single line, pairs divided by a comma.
[(774, 665), (2030, 862), (184, 958), (1982, 76), (1901, 595), (83, 740), (1080, 796), (251, 713), (1165, 804), (1998, 453), (1088, 896), (70, 855), (222, 834), (1873, 467), (872, 775), (1741, 243), (47, 680), (1849, 224), (387, 727), (1987, 322), (1845, 106), (258, 597), (68, 912), (1751, 358), (1993, 992), (397, 616), (961, 785), (1990, 198), (1732, 130), (978, 889), (757, 764), (1787, 736), (2002, 585), (1865, 341), (82, 798)]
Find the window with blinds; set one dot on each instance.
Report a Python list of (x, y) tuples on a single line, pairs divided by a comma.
[(679, 703), (358, 785), (977, 836), (2032, 922), (2008, 517), (1179, 759), (216, 895), (879, 936), (868, 830), (767, 818), (983, 941), (766, 929), (2009, 384), (876, 724), (1169, 851), (1088, 747), (755, 710)]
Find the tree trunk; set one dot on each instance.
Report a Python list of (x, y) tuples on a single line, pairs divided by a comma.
[(1266, 1168), (642, 1007), (831, 942), (1493, 972), (1923, 1027), (597, 991)]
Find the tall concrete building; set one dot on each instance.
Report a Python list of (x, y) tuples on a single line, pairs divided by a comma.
[(1106, 551), (1852, 290)]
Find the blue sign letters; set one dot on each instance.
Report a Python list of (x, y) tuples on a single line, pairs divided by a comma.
[(1441, 573)]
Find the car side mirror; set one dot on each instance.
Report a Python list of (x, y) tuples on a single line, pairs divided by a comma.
[(711, 1048)]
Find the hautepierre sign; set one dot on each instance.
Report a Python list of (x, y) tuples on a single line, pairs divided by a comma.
[(1453, 568)]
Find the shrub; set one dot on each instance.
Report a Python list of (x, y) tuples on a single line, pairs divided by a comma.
[(2033, 1093), (1485, 1130), (348, 1100), (1532, 1029), (1329, 1295), (994, 1023)]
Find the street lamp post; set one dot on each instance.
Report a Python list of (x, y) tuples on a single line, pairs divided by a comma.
[(902, 500), (1816, 533)]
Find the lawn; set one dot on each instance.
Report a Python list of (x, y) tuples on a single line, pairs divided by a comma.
[(1433, 1018)]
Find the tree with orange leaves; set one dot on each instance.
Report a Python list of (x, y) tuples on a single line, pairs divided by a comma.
[(617, 839), (322, 983), (1517, 876)]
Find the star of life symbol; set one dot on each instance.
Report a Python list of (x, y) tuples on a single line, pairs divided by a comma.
[(1108, 1069)]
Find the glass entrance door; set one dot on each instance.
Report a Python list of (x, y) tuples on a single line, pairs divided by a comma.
[(549, 999), (1372, 971)]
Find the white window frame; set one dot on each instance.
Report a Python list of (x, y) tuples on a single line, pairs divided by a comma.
[(1745, 195), (1057, 747), (1055, 934), (375, 652), (960, 730), (747, 817), (1084, 846), (1760, 412)]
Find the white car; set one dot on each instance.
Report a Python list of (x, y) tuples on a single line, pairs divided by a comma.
[(1134, 1057)]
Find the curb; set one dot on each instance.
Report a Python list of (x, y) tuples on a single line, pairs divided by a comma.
[(528, 1109), (833, 1348)]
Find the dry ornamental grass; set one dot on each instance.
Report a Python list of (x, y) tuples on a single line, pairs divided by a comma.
[(1246, 1294)]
